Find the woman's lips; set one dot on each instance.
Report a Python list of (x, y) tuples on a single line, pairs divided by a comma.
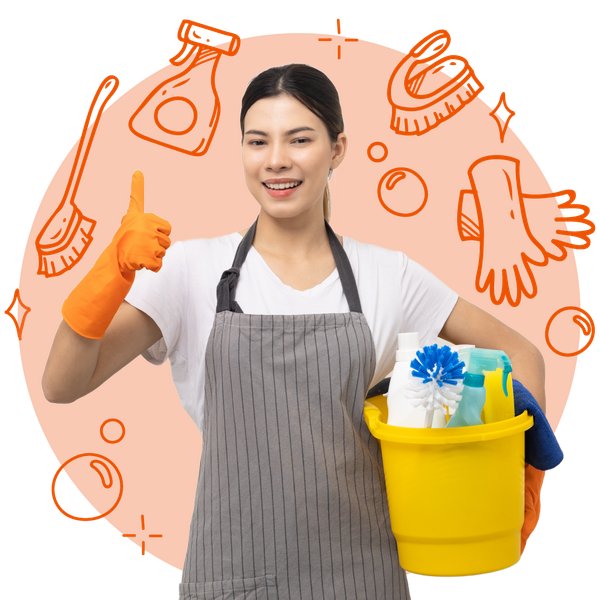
[(281, 193)]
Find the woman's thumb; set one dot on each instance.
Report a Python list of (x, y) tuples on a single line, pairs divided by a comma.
[(136, 200)]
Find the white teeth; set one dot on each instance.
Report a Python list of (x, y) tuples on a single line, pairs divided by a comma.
[(282, 186)]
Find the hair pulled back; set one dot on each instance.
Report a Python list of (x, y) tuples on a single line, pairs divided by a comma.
[(309, 86)]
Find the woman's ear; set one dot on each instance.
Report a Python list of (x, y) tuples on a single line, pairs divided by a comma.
[(339, 150)]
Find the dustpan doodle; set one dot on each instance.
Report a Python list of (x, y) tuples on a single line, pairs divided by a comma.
[(502, 114), (423, 95), (339, 48), (149, 535), (67, 235), (182, 113), (19, 322), (91, 470), (559, 330), (514, 242), (402, 192)]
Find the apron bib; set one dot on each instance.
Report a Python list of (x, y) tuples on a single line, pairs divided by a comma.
[(291, 502)]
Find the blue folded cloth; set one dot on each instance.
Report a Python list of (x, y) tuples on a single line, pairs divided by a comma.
[(541, 446)]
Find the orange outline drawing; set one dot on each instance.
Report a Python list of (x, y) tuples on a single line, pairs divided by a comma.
[(199, 48), (119, 438), (587, 327), (502, 126), (26, 309), (339, 48), (390, 179), (379, 145), (505, 201), (423, 95), (59, 246), (150, 535), (93, 465)]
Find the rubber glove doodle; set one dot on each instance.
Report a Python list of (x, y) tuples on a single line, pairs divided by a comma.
[(508, 250)]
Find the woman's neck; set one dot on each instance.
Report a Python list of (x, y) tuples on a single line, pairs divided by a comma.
[(293, 239)]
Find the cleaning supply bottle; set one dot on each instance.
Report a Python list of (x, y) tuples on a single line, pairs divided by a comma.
[(471, 405), (500, 402), (401, 413)]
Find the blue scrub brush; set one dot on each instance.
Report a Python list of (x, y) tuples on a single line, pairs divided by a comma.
[(435, 381)]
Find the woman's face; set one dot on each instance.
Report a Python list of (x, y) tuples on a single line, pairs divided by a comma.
[(287, 154)]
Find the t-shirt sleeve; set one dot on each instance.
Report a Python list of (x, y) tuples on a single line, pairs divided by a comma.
[(162, 297), (427, 301)]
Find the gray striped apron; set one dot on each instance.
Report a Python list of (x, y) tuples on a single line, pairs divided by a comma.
[(291, 502)]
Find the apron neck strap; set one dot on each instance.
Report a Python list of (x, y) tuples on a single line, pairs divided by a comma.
[(226, 286)]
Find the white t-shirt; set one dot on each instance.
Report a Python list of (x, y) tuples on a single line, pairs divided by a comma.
[(397, 295)]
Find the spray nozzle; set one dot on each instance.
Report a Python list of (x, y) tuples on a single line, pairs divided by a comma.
[(480, 360)]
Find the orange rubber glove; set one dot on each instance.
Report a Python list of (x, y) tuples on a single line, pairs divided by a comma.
[(533, 488), (140, 242)]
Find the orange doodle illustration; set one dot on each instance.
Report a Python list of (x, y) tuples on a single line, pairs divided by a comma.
[(582, 227), (15, 317), (111, 438), (423, 95), (67, 235), (148, 424), (502, 114), (150, 535), (182, 113), (92, 469), (558, 327), (513, 244), (339, 48), (378, 145), (406, 199)]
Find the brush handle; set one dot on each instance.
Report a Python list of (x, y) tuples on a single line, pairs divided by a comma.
[(103, 94)]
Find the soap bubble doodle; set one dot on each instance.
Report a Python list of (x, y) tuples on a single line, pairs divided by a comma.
[(378, 145), (111, 439), (410, 196), (560, 329)]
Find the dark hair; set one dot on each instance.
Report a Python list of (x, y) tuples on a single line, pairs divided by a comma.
[(309, 86)]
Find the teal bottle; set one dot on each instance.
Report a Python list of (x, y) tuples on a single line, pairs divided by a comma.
[(469, 408)]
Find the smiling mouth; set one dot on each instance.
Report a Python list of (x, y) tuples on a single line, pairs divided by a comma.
[(282, 186)]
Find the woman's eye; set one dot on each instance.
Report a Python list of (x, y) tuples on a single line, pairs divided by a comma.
[(301, 141), (256, 142)]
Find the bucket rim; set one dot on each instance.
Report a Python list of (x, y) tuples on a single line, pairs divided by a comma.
[(454, 435)]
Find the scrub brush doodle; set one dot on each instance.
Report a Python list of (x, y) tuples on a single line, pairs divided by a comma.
[(435, 382), (67, 235)]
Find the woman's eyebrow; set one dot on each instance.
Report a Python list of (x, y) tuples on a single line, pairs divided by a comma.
[(287, 133)]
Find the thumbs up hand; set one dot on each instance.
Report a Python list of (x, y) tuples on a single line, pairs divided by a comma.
[(140, 243), (143, 238)]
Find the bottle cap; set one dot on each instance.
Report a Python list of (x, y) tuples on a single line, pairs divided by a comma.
[(408, 344)]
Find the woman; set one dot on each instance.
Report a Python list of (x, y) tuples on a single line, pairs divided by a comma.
[(290, 500)]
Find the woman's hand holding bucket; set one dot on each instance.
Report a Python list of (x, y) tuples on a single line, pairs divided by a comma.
[(140, 242)]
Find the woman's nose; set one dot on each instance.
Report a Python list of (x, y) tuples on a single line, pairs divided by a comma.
[(278, 158)]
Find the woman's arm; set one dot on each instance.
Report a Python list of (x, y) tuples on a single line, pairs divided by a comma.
[(468, 324), (77, 365)]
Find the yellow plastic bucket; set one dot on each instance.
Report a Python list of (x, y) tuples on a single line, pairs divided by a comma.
[(456, 496)]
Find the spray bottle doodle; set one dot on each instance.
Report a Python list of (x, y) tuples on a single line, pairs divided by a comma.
[(182, 113)]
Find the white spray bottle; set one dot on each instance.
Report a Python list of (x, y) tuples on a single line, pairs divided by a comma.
[(401, 412)]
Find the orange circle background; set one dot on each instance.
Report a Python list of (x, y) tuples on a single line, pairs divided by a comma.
[(206, 197)]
